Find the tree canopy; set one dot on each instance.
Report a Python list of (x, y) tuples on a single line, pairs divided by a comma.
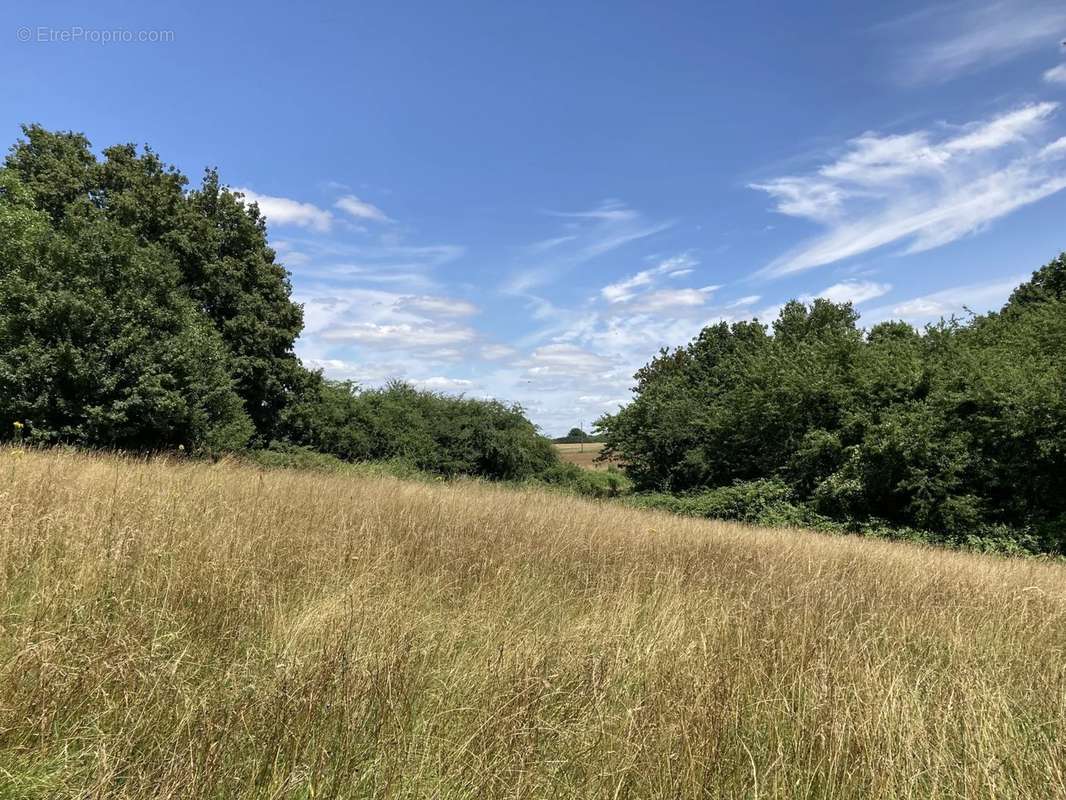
[(956, 427)]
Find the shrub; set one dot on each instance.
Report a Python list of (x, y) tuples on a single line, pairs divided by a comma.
[(586, 482), (764, 502), (433, 432)]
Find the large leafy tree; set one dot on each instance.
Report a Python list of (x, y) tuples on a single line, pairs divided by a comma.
[(99, 343), (207, 245)]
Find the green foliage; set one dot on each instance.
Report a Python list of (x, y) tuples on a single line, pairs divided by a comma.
[(586, 482), (959, 430), (136, 313), (432, 432), (761, 502), (99, 345)]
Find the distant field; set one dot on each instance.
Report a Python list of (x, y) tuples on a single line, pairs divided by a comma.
[(191, 630), (582, 454)]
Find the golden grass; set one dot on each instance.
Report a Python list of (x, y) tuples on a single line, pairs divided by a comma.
[(190, 631), (584, 455)]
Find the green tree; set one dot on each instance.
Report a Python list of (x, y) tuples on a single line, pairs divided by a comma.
[(957, 429), (99, 345), (217, 243)]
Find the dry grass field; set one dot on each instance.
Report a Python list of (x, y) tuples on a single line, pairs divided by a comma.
[(183, 630), (584, 455)]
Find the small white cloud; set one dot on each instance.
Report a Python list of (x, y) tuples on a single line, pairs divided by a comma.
[(1056, 74), (360, 209), (283, 211), (399, 336), (799, 197), (747, 300), (854, 291), (438, 306), (1013, 126), (1057, 149), (663, 299), (443, 384), (627, 289)]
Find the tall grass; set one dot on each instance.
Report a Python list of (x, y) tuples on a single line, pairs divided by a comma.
[(194, 631)]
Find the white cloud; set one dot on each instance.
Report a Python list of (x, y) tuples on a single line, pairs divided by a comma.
[(360, 372), (946, 303), (564, 359), (799, 197), (625, 289), (854, 291), (400, 336), (919, 189), (360, 209), (664, 299), (1011, 127), (955, 39), (747, 300), (1054, 150), (283, 211), (628, 288), (438, 306), (587, 235), (443, 384), (1056, 74)]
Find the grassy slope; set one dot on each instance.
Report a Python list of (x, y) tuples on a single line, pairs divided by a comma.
[(584, 455), (216, 631)]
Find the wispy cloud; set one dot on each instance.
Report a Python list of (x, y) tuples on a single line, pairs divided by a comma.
[(586, 235), (1056, 74), (960, 38), (403, 336), (285, 211), (855, 292), (360, 209), (441, 383), (438, 306), (628, 288), (923, 188)]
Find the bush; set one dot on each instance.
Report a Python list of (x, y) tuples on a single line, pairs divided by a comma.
[(765, 502), (958, 430), (432, 432), (586, 482)]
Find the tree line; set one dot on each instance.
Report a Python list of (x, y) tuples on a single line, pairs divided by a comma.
[(958, 429)]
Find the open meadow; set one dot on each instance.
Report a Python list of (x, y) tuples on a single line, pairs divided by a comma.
[(583, 454), (190, 630)]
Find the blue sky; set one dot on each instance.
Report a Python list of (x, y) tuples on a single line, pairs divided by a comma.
[(528, 200)]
